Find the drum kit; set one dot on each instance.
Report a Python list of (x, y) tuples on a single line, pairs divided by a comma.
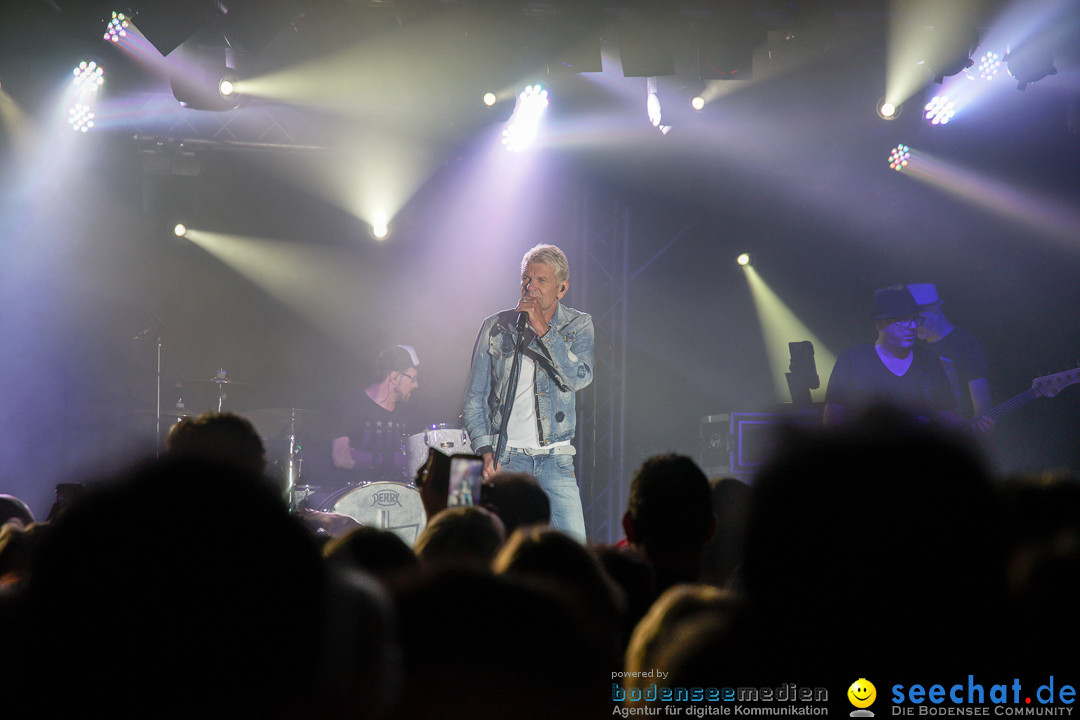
[(390, 503), (394, 504)]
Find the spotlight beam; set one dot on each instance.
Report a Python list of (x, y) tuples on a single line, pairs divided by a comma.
[(779, 326), (1053, 220), (922, 40), (308, 280)]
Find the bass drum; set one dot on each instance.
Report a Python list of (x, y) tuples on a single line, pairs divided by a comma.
[(386, 505), (447, 440)]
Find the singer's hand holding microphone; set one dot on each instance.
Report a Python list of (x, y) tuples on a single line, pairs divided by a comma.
[(529, 312)]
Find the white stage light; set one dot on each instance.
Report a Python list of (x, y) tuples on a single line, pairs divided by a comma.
[(940, 110), (88, 75), (80, 117), (521, 128)]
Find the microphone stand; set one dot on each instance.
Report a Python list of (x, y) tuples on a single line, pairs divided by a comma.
[(511, 390), (157, 432)]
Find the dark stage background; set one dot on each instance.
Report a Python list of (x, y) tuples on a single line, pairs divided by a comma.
[(791, 167)]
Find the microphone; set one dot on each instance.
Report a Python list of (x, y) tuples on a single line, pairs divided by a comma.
[(522, 320)]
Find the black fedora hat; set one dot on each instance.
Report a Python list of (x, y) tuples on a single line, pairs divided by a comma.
[(894, 302)]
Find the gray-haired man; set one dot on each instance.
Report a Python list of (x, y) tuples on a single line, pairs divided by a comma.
[(556, 361)]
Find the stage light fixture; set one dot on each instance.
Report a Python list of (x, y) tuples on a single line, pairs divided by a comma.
[(743, 259), (1030, 63), (80, 117), (698, 103), (117, 27), (652, 106), (380, 230), (989, 65), (227, 84), (199, 77), (521, 128), (490, 99), (940, 110), (88, 76), (887, 110), (180, 230), (899, 157)]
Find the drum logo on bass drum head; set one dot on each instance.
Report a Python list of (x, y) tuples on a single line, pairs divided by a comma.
[(386, 498)]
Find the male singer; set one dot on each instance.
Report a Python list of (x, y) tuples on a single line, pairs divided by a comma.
[(556, 362)]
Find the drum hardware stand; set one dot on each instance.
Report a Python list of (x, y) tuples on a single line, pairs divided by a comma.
[(157, 420), (293, 488), (154, 331), (221, 396)]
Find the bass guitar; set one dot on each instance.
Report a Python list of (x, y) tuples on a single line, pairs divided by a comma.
[(1045, 386)]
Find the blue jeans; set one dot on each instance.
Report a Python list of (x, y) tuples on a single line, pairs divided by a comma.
[(556, 476)]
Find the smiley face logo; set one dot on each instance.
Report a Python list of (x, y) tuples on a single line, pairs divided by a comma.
[(862, 693)]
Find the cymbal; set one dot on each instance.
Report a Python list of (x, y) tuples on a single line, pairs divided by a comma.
[(172, 412), (216, 381), (271, 422)]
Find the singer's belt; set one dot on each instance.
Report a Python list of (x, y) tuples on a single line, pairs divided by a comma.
[(557, 450)]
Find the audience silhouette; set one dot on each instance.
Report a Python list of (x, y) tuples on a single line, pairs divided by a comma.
[(881, 544)]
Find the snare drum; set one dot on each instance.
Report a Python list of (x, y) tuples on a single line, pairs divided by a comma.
[(448, 441), (387, 505)]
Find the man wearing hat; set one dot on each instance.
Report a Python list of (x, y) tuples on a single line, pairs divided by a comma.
[(894, 369), (960, 353)]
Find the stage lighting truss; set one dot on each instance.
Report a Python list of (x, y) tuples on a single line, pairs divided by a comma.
[(899, 157), (940, 110), (117, 27)]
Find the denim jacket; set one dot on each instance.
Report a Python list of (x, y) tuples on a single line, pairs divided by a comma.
[(567, 366)]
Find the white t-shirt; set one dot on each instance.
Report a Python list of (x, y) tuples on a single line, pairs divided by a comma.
[(521, 429)]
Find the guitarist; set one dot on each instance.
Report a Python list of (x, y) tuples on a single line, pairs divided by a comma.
[(894, 369), (961, 355)]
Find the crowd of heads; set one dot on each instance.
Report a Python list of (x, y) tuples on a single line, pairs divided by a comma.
[(886, 541)]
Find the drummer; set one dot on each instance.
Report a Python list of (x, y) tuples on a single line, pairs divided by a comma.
[(367, 445)]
